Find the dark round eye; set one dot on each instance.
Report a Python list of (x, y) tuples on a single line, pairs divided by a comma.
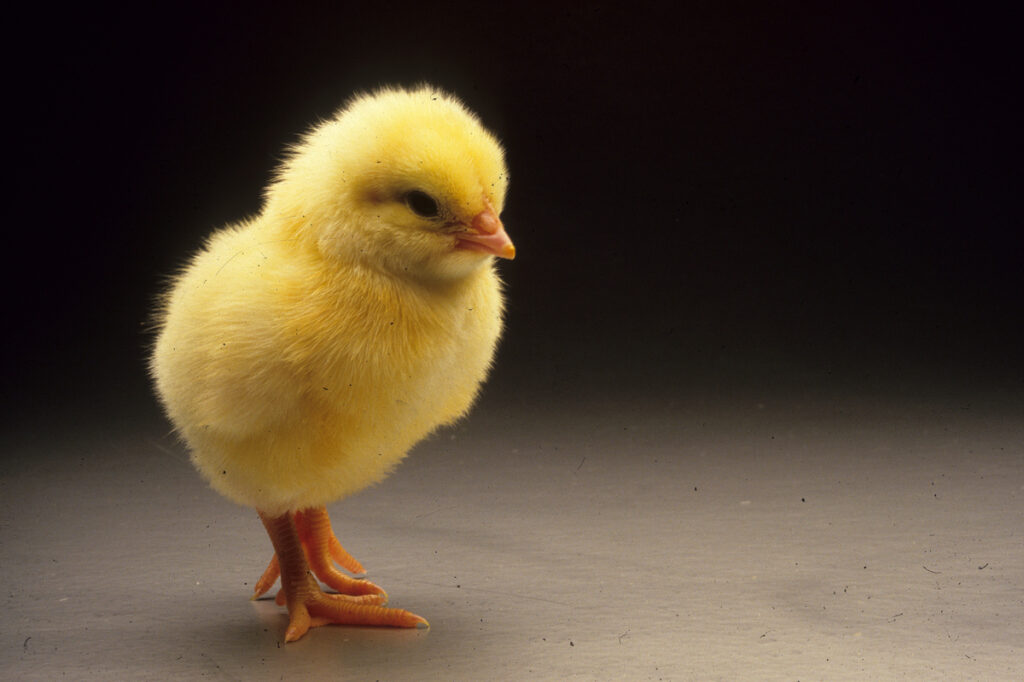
[(422, 204)]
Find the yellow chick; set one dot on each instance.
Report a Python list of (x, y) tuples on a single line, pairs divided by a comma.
[(302, 353)]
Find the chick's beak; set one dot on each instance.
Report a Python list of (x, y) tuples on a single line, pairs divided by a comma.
[(487, 235)]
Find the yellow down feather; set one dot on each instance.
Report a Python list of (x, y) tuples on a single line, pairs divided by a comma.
[(303, 352)]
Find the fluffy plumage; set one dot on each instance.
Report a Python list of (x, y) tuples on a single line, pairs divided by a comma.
[(303, 352)]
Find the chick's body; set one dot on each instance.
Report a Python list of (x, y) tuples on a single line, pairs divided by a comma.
[(302, 353), (295, 386)]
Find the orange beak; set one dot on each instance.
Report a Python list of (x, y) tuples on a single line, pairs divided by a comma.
[(487, 235)]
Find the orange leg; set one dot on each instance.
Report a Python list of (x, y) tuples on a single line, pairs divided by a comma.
[(308, 605), (321, 546)]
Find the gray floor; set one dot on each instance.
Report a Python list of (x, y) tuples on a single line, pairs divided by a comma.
[(745, 537)]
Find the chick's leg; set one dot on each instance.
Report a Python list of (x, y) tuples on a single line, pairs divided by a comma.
[(321, 547), (308, 605)]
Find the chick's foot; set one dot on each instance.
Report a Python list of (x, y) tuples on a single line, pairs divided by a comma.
[(308, 605), (322, 549)]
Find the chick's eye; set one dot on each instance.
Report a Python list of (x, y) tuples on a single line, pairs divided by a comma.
[(422, 204)]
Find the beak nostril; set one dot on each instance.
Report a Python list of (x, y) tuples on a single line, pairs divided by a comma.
[(485, 222)]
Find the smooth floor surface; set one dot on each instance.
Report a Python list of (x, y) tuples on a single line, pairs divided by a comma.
[(743, 537)]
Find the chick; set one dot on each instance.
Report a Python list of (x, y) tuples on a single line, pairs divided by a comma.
[(302, 353)]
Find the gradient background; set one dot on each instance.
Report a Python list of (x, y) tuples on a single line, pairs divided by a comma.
[(733, 202), (698, 197)]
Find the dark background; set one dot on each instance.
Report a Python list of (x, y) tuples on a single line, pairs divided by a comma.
[(706, 197)]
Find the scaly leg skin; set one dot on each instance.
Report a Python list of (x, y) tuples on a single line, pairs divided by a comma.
[(308, 605), (321, 546)]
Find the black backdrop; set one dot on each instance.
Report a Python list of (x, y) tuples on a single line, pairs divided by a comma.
[(701, 196)]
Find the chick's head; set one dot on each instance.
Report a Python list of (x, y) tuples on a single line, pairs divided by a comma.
[(406, 181)]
